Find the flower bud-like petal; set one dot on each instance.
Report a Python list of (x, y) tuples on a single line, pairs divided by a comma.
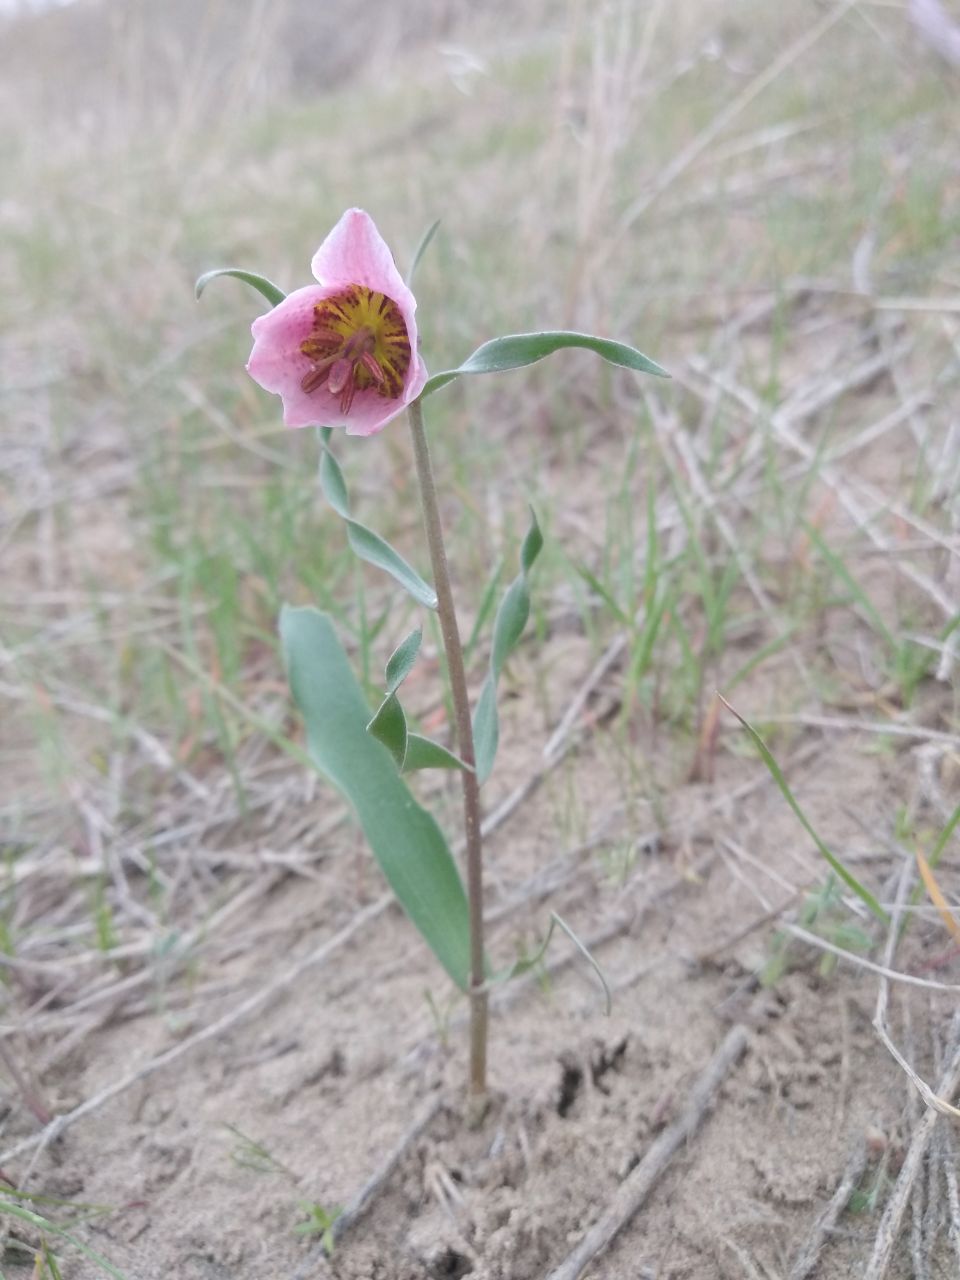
[(343, 352)]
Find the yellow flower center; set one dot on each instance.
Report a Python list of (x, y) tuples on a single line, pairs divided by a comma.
[(358, 340)]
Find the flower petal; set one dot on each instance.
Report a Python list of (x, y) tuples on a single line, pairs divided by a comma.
[(276, 361), (370, 411), (355, 253)]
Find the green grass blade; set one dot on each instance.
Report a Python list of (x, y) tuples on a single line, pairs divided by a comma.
[(761, 655), (420, 250), (526, 963), (841, 571), (937, 852), (404, 838), (44, 1224), (484, 611), (597, 587), (848, 878)]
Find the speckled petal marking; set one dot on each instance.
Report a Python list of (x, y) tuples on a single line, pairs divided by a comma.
[(358, 341)]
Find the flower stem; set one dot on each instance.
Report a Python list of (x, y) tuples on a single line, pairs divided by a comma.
[(471, 788)]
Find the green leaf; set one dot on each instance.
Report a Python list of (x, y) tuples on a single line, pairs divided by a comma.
[(270, 291), (389, 726), (848, 878), (424, 753), (519, 349), (420, 250), (400, 662), (377, 551), (507, 629), (405, 839), (366, 544), (410, 750), (532, 544)]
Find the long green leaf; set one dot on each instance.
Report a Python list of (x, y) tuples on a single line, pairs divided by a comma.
[(507, 629), (366, 544), (405, 839), (516, 350), (267, 288), (848, 878)]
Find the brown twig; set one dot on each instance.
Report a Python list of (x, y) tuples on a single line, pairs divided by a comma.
[(362, 1201), (890, 1224), (632, 1193), (806, 1259)]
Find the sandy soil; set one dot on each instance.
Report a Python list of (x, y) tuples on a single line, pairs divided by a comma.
[(330, 1072)]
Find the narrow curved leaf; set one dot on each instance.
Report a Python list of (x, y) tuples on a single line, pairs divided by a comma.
[(405, 839), (364, 542), (267, 288), (526, 963), (519, 349), (377, 551), (507, 629), (420, 250), (400, 663), (424, 753)]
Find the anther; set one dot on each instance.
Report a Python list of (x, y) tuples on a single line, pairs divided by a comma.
[(340, 375), (371, 366)]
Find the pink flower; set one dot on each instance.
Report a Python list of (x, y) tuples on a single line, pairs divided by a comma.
[(343, 352)]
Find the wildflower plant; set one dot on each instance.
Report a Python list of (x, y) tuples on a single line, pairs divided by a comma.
[(344, 353)]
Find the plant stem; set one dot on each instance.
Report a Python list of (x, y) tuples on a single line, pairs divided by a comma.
[(471, 788)]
